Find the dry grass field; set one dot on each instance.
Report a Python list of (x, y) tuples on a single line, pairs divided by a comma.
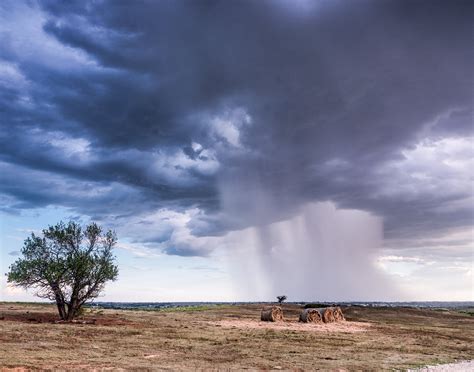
[(231, 337)]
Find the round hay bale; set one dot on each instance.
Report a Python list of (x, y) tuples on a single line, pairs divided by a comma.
[(338, 315), (271, 314), (331, 314), (327, 314), (310, 316)]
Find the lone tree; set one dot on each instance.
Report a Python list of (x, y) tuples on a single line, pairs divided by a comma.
[(281, 299), (68, 265)]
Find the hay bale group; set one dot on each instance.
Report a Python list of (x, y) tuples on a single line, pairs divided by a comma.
[(311, 315), (322, 314)]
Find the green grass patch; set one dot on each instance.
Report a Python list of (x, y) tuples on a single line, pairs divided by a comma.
[(24, 303), (189, 308), (315, 305), (176, 309), (467, 312)]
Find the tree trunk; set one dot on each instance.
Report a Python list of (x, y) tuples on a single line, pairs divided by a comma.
[(74, 304), (58, 296), (72, 309), (61, 308)]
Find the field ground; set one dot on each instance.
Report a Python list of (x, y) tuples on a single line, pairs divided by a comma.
[(220, 337)]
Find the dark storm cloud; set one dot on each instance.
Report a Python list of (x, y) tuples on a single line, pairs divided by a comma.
[(334, 92), (184, 250)]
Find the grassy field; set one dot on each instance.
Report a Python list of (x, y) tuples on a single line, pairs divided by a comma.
[(394, 338)]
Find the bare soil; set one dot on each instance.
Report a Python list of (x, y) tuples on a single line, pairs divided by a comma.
[(294, 325), (231, 337)]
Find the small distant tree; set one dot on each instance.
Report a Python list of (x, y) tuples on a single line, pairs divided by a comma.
[(281, 299), (68, 265)]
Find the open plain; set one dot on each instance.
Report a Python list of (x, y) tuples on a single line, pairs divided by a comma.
[(231, 337)]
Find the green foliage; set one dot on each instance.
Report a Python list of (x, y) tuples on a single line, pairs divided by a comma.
[(81, 312), (467, 312), (190, 308), (281, 299), (315, 305), (68, 264)]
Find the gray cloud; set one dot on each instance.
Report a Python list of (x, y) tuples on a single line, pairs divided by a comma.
[(320, 103)]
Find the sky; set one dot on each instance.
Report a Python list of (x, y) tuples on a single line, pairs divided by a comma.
[(245, 149)]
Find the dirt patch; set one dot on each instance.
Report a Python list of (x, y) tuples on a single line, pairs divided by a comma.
[(342, 326), (36, 317), (451, 367)]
